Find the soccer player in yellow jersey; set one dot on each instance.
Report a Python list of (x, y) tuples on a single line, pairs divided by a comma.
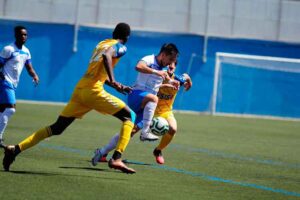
[(89, 94), (166, 97)]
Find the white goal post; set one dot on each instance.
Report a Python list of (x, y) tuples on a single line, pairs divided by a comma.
[(250, 61)]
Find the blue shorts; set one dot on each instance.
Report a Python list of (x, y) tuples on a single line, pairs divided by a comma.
[(7, 93), (135, 99)]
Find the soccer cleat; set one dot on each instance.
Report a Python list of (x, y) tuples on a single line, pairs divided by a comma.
[(97, 157), (2, 145), (148, 137), (118, 164), (158, 156), (9, 157)]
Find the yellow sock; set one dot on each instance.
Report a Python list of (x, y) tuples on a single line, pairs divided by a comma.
[(124, 136), (35, 138), (165, 140)]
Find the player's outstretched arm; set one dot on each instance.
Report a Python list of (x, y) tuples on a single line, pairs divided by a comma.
[(120, 87)]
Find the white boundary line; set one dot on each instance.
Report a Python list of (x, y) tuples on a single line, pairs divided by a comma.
[(51, 103)]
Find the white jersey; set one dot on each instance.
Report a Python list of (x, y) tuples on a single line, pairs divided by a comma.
[(13, 60), (149, 82)]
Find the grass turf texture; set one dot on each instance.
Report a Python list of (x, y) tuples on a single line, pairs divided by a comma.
[(210, 158)]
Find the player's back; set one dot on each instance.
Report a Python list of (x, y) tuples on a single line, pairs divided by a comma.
[(96, 73)]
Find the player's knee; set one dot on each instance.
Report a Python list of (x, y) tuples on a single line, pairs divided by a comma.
[(154, 98), (61, 124), (151, 98), (172, 130), (10, 111), (57, 128)]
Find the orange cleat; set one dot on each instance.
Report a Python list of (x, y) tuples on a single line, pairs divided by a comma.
[(158, 156)]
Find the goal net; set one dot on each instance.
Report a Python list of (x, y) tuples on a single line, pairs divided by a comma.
[(256, 85)]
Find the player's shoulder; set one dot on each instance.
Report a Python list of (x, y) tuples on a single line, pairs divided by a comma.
[(24, 48), (149, 59), (7, 51), (107, 43), (9, 47), (120, 49)]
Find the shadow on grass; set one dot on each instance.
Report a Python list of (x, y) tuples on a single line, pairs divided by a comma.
[(84, 168), (136, 162), (92, 169), (32, 173)]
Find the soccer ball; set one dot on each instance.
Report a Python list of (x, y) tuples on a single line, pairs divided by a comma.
[(159, 126)]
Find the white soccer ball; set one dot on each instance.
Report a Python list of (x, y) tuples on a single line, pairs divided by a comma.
[(159, 126)]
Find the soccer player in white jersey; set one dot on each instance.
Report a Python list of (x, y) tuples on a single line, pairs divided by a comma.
[(13, 58), (143, 98), (166, 95), (152, 70)]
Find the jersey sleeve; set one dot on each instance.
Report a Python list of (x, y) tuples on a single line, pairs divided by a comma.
[(28, 61), (180, 78), (148, 60), (120, 50), (5, 55)]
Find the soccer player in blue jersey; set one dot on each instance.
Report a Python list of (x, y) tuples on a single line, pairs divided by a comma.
[(13, 58), (89, 94)]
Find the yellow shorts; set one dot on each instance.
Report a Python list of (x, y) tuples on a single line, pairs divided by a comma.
[(166, 115), (96, 98)]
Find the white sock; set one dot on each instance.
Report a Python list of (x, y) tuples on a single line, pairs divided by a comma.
[(111, 145), (148, 115), (4, 117)]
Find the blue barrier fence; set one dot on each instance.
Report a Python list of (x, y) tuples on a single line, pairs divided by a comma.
[(60, 68)]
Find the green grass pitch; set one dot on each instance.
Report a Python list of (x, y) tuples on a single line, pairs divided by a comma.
[(210, 158)]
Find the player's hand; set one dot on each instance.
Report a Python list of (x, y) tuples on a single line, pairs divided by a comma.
[(187, 85), (121, 88), (116, 85), (162, 74), (175, 84), (126, 89), (36, 80)]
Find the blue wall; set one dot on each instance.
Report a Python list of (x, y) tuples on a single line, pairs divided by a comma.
[(60, 68)]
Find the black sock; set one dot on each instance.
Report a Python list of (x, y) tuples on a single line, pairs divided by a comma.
[(17, 149), (117, 155)]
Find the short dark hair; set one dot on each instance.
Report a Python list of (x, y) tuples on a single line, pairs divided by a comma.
[(121, 31), (169, 49), (19, 28)]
